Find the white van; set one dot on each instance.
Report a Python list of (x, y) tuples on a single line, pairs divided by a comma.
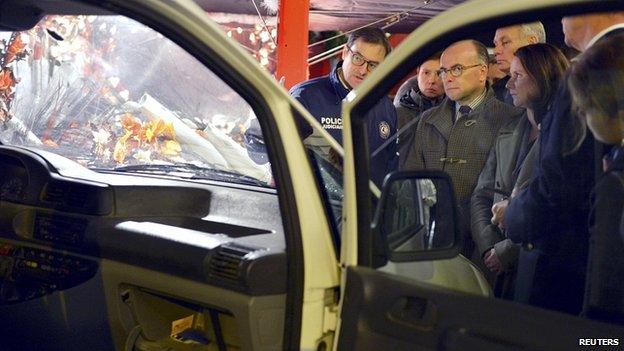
[(135, 218)]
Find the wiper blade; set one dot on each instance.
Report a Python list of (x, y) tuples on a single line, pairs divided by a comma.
[(191, 171), (227, 176), (157, 168)]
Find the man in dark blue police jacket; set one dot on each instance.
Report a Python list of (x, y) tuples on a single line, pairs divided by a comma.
[(364, 50)]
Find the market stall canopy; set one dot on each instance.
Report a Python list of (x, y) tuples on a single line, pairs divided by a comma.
[(341, 15)]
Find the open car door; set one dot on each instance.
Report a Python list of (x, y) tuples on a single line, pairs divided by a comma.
[(136, 212), (385, 311), (381, 310)]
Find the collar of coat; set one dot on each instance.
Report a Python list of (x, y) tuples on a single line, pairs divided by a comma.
[(616, 156), (415, 100), (339, 88), (513, 127), (441, 116)]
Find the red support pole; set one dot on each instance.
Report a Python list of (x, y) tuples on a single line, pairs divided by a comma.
[(292, 41)]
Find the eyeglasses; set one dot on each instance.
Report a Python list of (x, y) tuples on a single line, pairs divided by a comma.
[(456, 70), (359, 60)]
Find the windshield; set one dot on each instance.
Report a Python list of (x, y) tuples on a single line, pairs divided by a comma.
[(109, 92)]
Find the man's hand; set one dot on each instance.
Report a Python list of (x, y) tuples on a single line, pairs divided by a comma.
[(498, 213), (492, 262)]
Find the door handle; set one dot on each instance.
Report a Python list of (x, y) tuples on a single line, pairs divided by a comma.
[(415, 312)]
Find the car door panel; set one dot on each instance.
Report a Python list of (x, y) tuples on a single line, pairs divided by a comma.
[(383, 311)]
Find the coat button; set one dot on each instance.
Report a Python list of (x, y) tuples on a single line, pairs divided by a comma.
[(529, 246)]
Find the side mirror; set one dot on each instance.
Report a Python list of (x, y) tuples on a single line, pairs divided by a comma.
[(417, 217)]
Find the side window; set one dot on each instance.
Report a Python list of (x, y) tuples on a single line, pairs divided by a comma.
[(113, 94), (415, 216), (327, 165)]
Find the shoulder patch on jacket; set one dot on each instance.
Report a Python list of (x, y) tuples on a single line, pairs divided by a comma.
[(384, 129)]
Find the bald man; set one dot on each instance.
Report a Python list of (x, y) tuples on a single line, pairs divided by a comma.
[(457, 135)]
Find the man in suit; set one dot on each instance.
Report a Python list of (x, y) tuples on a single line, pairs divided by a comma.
[(549, 217), (457, 135), (506, 41)]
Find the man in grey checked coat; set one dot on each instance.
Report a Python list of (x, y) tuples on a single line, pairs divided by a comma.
[(457, 135)]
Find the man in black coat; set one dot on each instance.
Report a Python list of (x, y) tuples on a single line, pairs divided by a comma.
[(549, 218), (427, 93), (506, 41)]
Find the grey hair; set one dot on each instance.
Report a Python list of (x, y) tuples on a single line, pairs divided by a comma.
[(534, 28)]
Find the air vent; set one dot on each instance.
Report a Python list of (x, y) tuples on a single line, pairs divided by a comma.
[(60, 195), (226, 264), (59, 229), (53, 194), (76, 197)]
